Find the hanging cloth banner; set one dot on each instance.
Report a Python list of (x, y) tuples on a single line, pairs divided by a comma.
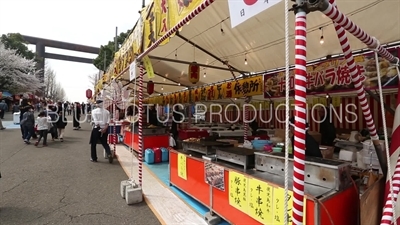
[(148, 66), (242, 10)]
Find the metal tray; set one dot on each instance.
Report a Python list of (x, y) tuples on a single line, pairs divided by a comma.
[(325, 173), (239, 156), (204, 147)]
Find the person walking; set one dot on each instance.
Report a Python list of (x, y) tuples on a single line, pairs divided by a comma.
[(3, 109), (28, 123), (15, 108), (23, 108), (1, 125), (52, 113), (61, 124), (100, 121), (76, 114), (43, 127)]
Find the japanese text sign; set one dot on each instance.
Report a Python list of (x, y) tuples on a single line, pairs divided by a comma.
[(334, 76), (279, 207), (238, 187), (182, 173), (260, 201), (246, 87)]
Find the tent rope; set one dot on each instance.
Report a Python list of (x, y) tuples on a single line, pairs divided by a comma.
[(287, 134), (382, 105)]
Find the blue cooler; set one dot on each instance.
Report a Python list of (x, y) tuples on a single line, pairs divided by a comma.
[(164, 155), (149, 156)]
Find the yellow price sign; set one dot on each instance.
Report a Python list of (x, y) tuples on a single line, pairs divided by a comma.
[(238, 186), (261, 201), (182, 173), (279, 207)]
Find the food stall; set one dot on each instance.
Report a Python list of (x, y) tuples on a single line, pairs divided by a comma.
[(255, 195), (227, 178)]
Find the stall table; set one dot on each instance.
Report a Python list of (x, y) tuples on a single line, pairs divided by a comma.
[(230, 133), (187, 172)]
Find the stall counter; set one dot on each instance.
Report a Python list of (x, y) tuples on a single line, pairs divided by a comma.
[(187, 172), (149, 141)]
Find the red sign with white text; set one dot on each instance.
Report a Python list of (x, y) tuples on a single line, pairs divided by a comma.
[(334, 76)]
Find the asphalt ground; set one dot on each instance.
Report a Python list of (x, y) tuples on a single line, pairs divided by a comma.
[(58, 184)]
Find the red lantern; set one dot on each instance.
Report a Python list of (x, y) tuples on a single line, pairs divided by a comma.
[(150, 87), (88, 93), (194, 72)]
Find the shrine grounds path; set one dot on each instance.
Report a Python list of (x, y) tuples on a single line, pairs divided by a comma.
[(59, 185)]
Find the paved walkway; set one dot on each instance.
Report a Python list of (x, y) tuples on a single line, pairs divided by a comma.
[(59, 185)]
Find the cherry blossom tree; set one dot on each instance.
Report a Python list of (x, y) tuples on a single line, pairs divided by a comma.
[(17, 74)]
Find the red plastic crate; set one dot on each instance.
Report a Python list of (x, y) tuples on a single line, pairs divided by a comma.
[(148, 141)]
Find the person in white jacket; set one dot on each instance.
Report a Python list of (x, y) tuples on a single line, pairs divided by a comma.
[(43, 126)]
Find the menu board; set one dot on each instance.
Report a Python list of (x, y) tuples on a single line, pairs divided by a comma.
[(238, 187), (279, 207), (260, 201), (182, 173)]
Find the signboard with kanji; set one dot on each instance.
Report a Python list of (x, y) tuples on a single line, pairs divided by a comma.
[(335, 76)]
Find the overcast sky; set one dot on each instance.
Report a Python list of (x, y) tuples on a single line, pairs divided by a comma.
[(86, 22)]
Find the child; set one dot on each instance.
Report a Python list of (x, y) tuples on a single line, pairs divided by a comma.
[(61, 124), (43, 128), (28, 123)]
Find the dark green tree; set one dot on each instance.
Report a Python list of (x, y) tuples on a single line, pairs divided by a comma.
[(108, 51), (16, 42)]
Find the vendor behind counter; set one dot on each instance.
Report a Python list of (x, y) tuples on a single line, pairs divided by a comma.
[(312, 146)]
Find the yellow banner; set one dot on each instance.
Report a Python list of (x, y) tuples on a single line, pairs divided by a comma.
[(322, 101), (249, 86), (148, 66), (261, 201), (336, 101), (182, 173), (185, 97), (162, 24), (179, 9), (238, 186)]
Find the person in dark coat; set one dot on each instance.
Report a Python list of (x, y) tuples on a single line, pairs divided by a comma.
[(61, 124), (76, 114), (152, 116), (326, 128), (177, 118), (312, 146)]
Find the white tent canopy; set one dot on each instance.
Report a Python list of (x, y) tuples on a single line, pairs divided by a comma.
[(260, 40)]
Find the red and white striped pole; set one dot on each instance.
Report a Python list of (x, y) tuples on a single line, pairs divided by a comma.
[(390, 206), (140, 150), (172, 31), (356, 78), (300, 95), (332, 12)]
